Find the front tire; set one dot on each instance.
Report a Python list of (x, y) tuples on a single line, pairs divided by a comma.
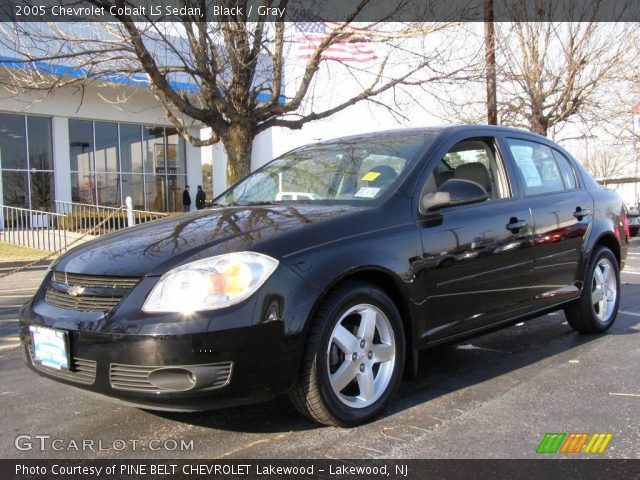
[(354, 357), (596, 309)]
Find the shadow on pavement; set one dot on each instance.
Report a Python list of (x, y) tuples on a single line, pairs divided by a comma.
[(443, 370)]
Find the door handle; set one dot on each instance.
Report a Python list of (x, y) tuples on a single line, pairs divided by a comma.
[(581, 213), (515, 225)]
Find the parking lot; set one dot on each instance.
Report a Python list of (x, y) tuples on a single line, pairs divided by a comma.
[(493, 396)]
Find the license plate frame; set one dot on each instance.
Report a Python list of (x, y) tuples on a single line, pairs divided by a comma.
[(50, 347)]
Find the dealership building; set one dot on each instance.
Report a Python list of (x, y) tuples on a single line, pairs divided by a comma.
[(97, 143)]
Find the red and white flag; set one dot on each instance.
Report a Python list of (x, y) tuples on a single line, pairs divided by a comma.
[(347, 50)]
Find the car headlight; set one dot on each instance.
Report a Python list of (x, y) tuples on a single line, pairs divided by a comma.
[(209, 284)]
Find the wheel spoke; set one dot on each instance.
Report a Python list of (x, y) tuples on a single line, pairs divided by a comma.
[(598, 276), (602, 308), (366, 385), (382, 353), (347, 342), (367, 328), (344, 375)]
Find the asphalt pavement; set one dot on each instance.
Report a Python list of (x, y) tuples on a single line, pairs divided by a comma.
[(493, 396)]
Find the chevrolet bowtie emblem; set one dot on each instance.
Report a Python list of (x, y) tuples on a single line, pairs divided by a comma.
[(75, 290)]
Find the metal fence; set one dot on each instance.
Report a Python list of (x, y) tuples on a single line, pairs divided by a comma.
[(71, 223), (33, 228), (81, 217)]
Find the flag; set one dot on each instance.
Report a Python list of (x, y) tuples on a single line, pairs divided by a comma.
[(635, 111), (347, 50)]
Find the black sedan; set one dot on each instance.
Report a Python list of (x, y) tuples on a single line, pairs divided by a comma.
[(324, 273)]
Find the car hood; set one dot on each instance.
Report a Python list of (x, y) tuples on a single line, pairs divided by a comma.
[(156, 247)]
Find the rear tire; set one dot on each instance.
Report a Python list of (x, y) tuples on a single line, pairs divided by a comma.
[(596, 309), (354, 357)]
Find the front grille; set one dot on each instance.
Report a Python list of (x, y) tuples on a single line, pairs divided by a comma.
[(97, 293), (136, 377), (94, 280), (84, 303), (82, 370)]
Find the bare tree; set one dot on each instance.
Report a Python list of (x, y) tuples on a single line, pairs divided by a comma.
[(605, 162), (242, 77), (552, 74)]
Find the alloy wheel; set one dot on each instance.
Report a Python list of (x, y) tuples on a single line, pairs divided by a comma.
[(604, 290), (361, 355)]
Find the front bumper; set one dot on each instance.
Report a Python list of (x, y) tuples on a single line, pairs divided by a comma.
[(215, 359)]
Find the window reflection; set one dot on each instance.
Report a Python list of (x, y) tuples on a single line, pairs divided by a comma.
[(106, 135), (14, 188), (144, 162), (26, 161), (41, 190), (131, 148)]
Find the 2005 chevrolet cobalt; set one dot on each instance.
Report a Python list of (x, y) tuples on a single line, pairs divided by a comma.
[(325, 272)]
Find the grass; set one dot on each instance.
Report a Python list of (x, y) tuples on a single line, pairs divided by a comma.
[(12, 253)]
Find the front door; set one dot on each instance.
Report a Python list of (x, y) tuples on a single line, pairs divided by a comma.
[(477, 257)]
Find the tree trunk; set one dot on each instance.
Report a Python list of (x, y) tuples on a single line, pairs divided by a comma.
[(539, 125), (238, 143)]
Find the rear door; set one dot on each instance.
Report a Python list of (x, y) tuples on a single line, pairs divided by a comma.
[(562, 212), (477, 258)]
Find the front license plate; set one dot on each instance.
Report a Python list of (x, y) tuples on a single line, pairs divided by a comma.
[(51, 347)]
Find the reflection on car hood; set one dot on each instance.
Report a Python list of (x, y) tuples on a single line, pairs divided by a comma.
[(154, 248)]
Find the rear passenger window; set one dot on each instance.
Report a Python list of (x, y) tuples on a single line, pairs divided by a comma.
[(536, 166), (568, 175)]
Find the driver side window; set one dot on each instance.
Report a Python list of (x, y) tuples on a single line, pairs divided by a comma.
[(476, 160)]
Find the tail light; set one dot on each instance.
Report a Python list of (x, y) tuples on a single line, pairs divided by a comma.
[(625, 222)]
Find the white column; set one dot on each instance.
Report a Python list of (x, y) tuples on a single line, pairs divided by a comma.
[(194, 170), (61, 158), (219, 168), (262, 151)]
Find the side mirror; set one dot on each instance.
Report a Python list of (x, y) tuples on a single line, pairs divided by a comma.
[(453, 192)]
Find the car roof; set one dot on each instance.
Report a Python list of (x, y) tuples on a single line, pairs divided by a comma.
[(437, 130)]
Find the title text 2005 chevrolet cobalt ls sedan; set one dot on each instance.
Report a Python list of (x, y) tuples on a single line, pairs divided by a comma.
[(325, 272)]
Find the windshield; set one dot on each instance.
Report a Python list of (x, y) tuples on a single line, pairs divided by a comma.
[(360, 170)]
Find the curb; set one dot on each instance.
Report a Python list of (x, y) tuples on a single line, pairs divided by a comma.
[(22, 263)]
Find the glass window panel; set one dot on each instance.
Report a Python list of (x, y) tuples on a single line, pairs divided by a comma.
[(82, 188), (131, 148), (42, 191), (176, 184), (108, 189), (175, 152), (106, 147), (155, 193), (566, 169), (40, 146), (15, 189), (13, 143), (536, 166), (133, 186), (153, 149), (81, 146)]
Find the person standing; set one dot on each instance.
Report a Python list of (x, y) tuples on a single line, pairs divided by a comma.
[(200, 198), (186, 199)]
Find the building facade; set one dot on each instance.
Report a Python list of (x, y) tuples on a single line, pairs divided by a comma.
[(93, 145)]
